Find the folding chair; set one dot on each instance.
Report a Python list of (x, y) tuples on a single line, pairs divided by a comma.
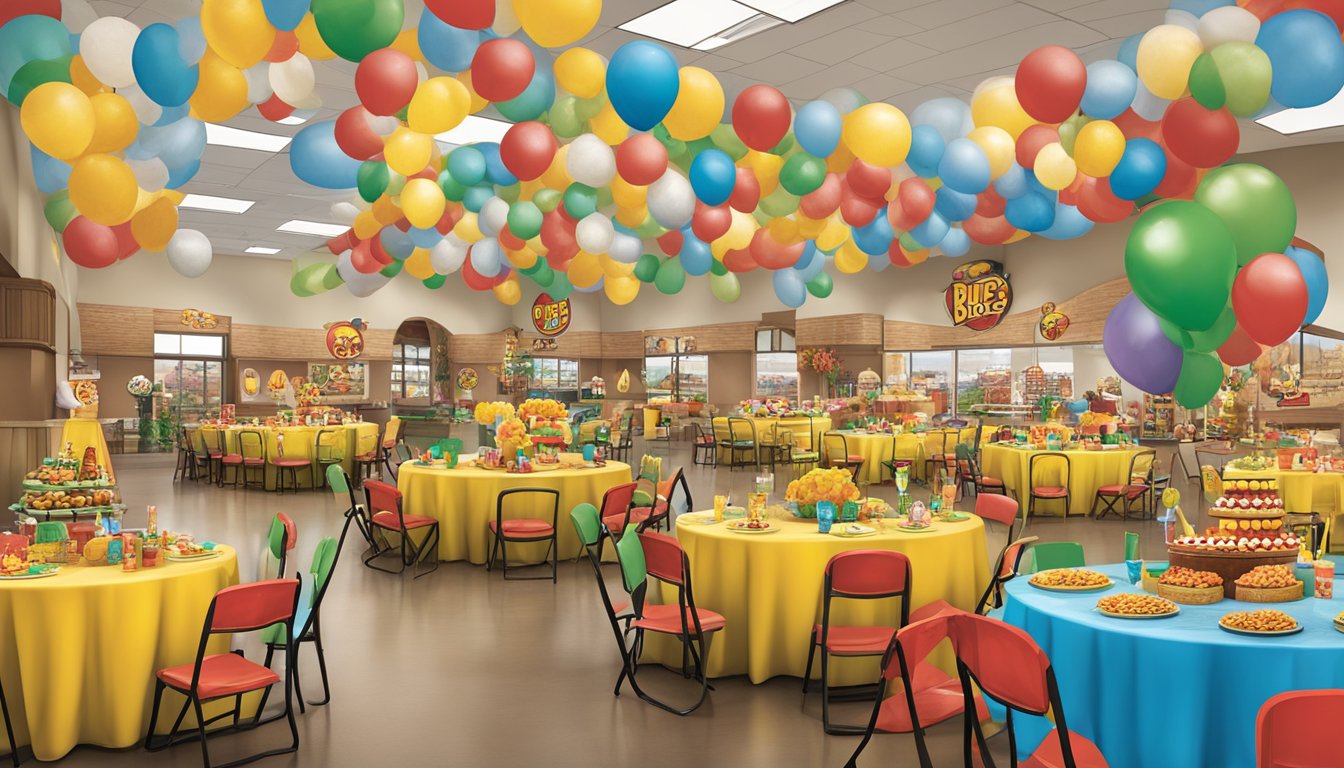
[(327, 451), (615, 510), (704, 444), (663, 507), (186, 457), (1047, 492), (280, 539), (742, 442), (339, 483), (1057, 554), (290, 465), (1138, 487), (383, 503), (391, 439), (1295, 729), (526, 530), (307, 621)]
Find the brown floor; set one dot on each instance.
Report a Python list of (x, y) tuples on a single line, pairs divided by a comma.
[(462, 669)]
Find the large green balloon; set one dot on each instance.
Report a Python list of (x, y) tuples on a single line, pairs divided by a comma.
[(564, 122), (59, 210), (434, 282), (524, 220), (543, 275), (821, 285), (355, 28), (1180, 259), (1255, 205), (1206, 84), (1246, 74), (453, 190), (314, 279), (724, 137), (1201, 378), (35, 73), (372, 179), (560, 286), (1213, 338), (391, 270), (802, 174), (785, 144), (725, 287), (646, 269), (671, 278), (580, 200)]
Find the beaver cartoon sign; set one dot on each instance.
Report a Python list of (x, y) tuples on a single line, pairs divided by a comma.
[(979, 295), (550, 316)]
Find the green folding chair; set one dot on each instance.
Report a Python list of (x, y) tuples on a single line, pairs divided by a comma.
[(307, 620), (1057, 554)]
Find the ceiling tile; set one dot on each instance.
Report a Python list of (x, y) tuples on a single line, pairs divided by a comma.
[(1107, 9), (943, 12), (840, 45), (986, 26), (779, 68), (1128, 24), (891, 56), (813, 86), (999, 52)]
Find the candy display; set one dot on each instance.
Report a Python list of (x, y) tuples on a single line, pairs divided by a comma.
[(1249, 532), (1269, 584), (1185, 585)]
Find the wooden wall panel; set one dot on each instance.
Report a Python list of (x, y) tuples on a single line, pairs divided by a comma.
[(714, 337), (27, 314), (840, 330), (170, 321), (106, 329), (267, 342), (574, 344), (476, 348), (622, 344)]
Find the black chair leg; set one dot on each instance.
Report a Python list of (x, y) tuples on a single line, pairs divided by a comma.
[(9, 729)]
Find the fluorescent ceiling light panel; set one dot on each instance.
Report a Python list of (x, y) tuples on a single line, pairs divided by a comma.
[(218, 204), (225, 136), (754, 25), (1289, 121), (262, 251), (301, 227), (292, 120), (687, 22), (791, 10), (474, 130)]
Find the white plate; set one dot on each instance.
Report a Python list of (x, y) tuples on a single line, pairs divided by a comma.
[(1280, 633), (27, 576), (192, 558)]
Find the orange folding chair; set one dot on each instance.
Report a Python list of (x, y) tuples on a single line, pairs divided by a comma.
[(1296, 729)]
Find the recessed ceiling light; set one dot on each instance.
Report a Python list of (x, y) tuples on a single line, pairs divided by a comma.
[(219, 204), (475, 129), (226, 136), (301, 227), (292, 120), (1289, 121), (755, 25), (687, 22), (791, 10), (262, 250)]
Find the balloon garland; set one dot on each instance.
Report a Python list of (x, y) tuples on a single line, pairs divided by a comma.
[(634, 171)]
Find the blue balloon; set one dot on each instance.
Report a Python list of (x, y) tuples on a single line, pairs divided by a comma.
[(926, 150), (476, 197), (1034, 185), (1129, 52), (642, 83), (956, 242), (713, 176), (398, 244), (419, 238), (317, 159), (1013, 182), (51, 175), (1069, 223), (30, 38), (160, 71), (179, 175), (1307, 57), (176, 144), (1140, 169), (495, 170), (953, 205), (486, 257), (445, 46), (875, 237), (191, 39), (817, 128), (931, 231), (535, 99), (790, 287), (1313, 273), (964, 167), (696, 257), (169, 115), (950, 116), (1110, 89), (1033, 212), (466, 164), (285, 15), (811, 263)]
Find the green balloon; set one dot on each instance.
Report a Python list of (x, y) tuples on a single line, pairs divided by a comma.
[(355, 28), (332, 278), (802, 173), (564, 122), (434, 282), (395, 183), (604, 198), (821, 285), (716, 267), (673, 146), (785, 144), (372, 180), (510, 193), (546, 199), (35, 73), (587, 109), (544, 276), (1213, 338), (560, 286), (1180, 259), (649, 229), (524, 220), (391, 270), (1246, 74), (59, 210), (1068, 131), (781, 202), (724, 137), (671, 278), (725, 287), (646, 268), (580, 200), (313, 279), (1176, 334), (453, 190), (1254, 204), (1200, 379), (909, 243), (1206, 83)]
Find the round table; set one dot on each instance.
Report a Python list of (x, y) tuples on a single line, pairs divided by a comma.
[(1088, 471), (78, 650), (354, 439), (1187, 687), (769, 589), (806, 431), (1301, 491), (463, 498)]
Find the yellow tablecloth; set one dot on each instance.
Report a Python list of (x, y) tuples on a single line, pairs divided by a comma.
[(1300, 490), (82, 433), (78, 650), (462, 499), (806, 433), (876, 448), (1088, 471), (354, 439), (769, 589)]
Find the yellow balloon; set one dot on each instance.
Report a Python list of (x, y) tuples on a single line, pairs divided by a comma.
[(632, 217), (523, 259), (840, 159), (1166, 54), (766, 168), (1020, 234), (784, 230), (468, 229), (914, 257), (386, 211), (585, 270), (221, 91), (422, 201), (834, 234), (59, 119), (114, 124), (621, 290), (1098, 148), (877, 133), (608, 126), (408, 42), (849, 259), (154, 226), (557, 176), (627, 195), (237, 30), (175, 196), (995, 103), (418, 265), (1054, 168), (613, 268), (408, 152), (82, 78), (477, 101), (104, 189), (809, 228), (439, 104), (366, 225), (740, 230), (311, 43), (699, 105), (998, 146), (508, 292), (552, 24), (581, 72)]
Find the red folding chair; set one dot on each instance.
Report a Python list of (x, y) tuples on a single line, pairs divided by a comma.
[(661, 512), (999, 508), (1045, 493), (1137, 488), (242, 608), (1296, 729), (383, 502), (526, 530), (615, 509), (1005, 569), (858, 574)]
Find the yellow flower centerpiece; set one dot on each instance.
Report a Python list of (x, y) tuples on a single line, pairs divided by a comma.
[(542, 408), (512, 436), (833, 485), (487, 411)]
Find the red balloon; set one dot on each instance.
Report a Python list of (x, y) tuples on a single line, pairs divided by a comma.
[(772, 254), (761, 117), (1098, 203), (1050, 82), (1239, 349), (1263, 9), (342, 242), (898, 256), (671, 242), (557, 231), (746, 192), (868, 181), (1032, 141), (559, 258), (1180, 179), (452, 213), (1269, 297), (463, 14), (710, 222), (12, 9), (990, 203), (1204, 138), (988, 230), (822, 201), (641, 159), (474, 280), (527, 149), (1135, 127), (501, 69), (126, 245), (509, 240), (283, 49), (361, 258), (377, 251), (856, 211), (739, 260), (90, 244), (386, 80), (274, 109), (913, 204), (354, 135)]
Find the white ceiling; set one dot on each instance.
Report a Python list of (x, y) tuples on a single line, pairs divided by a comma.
[(901, 51)]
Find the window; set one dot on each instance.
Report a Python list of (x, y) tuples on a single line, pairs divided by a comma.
[(984, 376), (682, 377), (549, 373), (187, 344), (410, 370), (189, 368), (776, 364), (932, 374)]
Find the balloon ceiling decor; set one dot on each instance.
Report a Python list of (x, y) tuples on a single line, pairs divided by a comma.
[(634, 171)]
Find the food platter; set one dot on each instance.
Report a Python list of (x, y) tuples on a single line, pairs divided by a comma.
[(192, 558), (1093, 587), (1096, 588), (1136, 600), (853, 531), (1276, 633), (738, 526), (27, 576)]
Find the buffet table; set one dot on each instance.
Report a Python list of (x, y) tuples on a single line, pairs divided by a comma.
[(1088, 471), (352, 440), (1301, 491), (769, 589), (78, 650), (1117, 677)]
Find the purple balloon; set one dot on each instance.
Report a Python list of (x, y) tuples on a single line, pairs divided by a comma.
[(1137, 348)]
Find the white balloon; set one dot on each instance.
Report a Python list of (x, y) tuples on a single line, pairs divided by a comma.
[(258, 82), (383, 125), (1181, 18), (625, 248), (146, 111), (293, 79), (493, 217), (358, 283), (1226, 24), (190, 252), (151, 174), (77, 15), (506, 21), (106, 46), (447, 255), (671, 200), (594, 233), (486, 257), (590, 161), (344, 212), (1147, 105)]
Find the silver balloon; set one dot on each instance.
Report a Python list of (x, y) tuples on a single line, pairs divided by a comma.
[(345, 212), (671, 200), (590, 161), (625, 248), (293, 79), (447, 255), (151, 174), (1147, 105), (105, 46), (190, 252), (358, 283), (594, 233), (493, 217)]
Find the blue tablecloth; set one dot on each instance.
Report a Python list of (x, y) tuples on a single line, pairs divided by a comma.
[(1178, 691)]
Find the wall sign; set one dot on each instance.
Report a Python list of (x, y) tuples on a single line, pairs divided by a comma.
[(979, 295), (198, 320), (1053, 322), (345, 340), (339, 382), (467, 379), (549, 316)]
